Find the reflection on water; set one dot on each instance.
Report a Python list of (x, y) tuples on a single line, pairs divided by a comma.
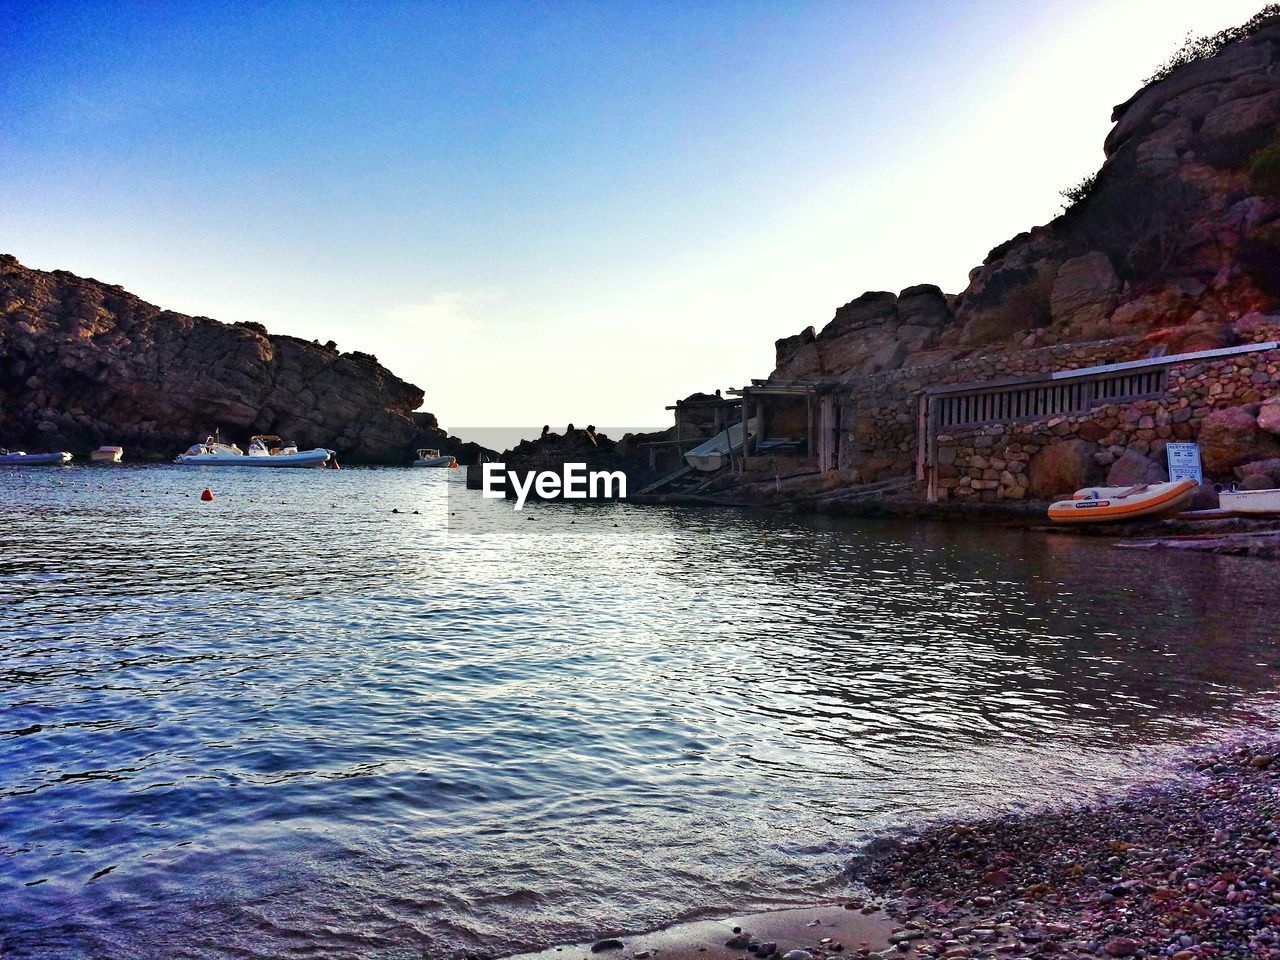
[(293, 721)]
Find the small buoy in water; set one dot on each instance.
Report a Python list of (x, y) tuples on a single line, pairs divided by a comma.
[(207, 495), (395, 509)]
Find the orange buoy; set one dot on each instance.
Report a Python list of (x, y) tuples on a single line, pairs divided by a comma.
[(207, 495)]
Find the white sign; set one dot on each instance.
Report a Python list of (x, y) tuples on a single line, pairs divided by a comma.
[(1184, 461)]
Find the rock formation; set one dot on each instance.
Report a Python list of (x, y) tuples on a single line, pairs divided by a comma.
[(84, 363), (1177, 238)]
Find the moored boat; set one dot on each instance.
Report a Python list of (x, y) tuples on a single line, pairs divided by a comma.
[(1250, 501), (107, 454), (1106, 504), (214, 453), (715, 453), (429, 457), (19, 458)]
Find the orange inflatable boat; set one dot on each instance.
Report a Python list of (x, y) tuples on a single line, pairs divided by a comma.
[(1103, 504)]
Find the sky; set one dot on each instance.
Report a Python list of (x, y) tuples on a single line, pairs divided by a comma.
[(558, 211)]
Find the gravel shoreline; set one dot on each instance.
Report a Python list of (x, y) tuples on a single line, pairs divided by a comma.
[(1184, 870)]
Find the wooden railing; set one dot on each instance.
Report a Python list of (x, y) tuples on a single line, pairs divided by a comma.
[(1004, 404)]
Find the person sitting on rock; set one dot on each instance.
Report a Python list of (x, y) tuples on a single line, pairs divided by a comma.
[(546, 431), (591, 434)]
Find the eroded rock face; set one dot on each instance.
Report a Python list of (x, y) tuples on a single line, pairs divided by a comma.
[(875, 332), (1174, 235), (1084, 291), (84, 363)]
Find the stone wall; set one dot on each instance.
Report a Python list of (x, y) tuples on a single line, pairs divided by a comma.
[(880, 412), (1053, 456)]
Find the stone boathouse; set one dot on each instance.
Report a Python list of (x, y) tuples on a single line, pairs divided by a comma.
[(1027, 424)]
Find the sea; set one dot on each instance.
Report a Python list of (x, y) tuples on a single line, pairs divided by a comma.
[(368, 713)]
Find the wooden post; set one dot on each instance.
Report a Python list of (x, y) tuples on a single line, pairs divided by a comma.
[(829, 433), (809, 450), (746, 440), (922, 430), (931, 448)]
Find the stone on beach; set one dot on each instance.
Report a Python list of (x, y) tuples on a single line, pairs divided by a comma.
[(1185, 870), (1133, 469), (1230, 437), (1062, 468)]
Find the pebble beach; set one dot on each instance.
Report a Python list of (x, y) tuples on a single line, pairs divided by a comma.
[(1184, 869)]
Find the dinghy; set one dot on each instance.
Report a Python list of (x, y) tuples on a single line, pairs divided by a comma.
[(1105, 504), (18, 458), (433, 458), (213, 453), (1250, 501)]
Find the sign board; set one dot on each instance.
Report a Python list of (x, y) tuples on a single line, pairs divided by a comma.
[(1184, 461)]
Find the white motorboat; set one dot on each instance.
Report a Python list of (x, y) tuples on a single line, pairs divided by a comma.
[(107, 454), (213, 453), (19, 458), (433, 458), (1250, 501)]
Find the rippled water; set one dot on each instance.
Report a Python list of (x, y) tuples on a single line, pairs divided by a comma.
[(295, 722)]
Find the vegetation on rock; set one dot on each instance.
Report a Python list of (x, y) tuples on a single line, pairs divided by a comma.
[(1202, 48)]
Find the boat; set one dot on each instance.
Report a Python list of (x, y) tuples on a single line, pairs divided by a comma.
[(107, 454), (1250, 501), (1106, 504), (429, 457), (19, 458), (214, 453), (718, 451)]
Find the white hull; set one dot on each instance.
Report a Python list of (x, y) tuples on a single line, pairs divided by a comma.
[(1250, 501), (716, 452), (304, 458), (1106, 504), (34, 459), (106, 455)]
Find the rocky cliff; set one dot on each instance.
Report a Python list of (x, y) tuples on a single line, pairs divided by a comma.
[(84, 363), (1177, 237)]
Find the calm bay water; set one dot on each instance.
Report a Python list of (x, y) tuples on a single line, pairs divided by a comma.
[(293, 722)]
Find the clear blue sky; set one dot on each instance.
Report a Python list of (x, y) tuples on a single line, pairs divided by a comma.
[(543, 212)]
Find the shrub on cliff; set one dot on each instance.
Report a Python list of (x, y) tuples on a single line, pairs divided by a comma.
[(1201, 48), (1080, 192), (1264, 168), (1260, 257), (1144, 227)]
